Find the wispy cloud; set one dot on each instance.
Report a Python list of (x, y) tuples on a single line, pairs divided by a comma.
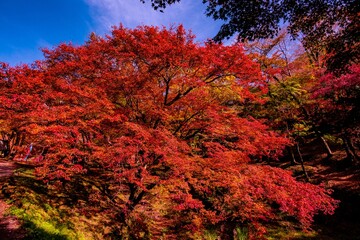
[(132, 13)]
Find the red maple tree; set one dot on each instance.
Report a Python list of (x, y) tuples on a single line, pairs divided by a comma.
[(336, 107), (142, 125)]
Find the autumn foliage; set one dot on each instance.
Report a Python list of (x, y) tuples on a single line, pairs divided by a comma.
[(336, 107), (145, 124)]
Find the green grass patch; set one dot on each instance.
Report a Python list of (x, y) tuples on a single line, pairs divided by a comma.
[(41, 214), (277, 233), (44, 222)]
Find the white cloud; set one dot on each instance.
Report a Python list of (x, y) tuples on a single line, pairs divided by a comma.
[(132, 13)]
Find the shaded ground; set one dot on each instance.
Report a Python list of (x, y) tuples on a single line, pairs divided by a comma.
[(10, 227), (343, 178)]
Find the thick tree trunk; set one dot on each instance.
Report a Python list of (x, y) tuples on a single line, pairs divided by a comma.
[(15, 139), (302, 162), (228, 230)]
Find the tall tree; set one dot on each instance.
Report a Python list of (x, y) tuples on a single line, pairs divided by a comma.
[(291, 76), (140, 124), (336, 107)]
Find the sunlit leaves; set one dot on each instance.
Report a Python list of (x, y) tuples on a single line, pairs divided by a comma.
[(146, 122)]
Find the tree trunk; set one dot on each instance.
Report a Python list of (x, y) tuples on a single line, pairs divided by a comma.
[(302, 163), (293, 159), (327, 147), (5, 148), (350, 149), (227, 230)]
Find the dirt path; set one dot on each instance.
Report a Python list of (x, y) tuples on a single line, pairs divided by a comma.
[(10, 227)]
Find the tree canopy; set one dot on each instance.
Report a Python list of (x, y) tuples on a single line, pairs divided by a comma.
[(144, 124)]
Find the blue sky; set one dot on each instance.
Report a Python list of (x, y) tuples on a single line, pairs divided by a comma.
[(27, 26)]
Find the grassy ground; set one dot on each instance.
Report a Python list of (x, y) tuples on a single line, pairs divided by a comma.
[(44, 212)]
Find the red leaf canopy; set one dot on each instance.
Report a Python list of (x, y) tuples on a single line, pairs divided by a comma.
[(146, 122)]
